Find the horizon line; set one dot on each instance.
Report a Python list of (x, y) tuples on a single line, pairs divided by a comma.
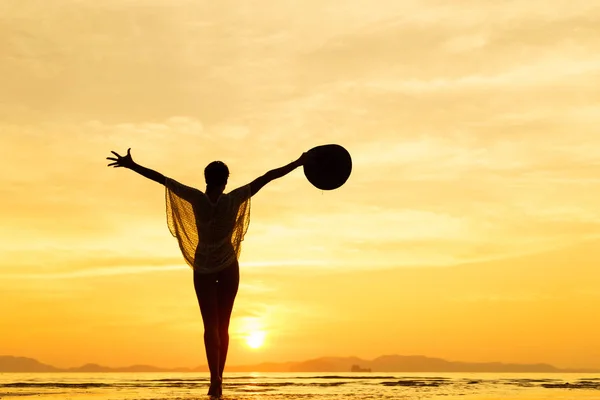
[(281, 363)]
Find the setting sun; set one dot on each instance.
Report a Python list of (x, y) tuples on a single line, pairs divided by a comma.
[(255, 339)]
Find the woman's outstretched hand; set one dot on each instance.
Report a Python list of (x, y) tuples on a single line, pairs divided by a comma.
[(306, 158), (125, 161)]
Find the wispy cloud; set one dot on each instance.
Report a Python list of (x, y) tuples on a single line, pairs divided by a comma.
[(94, 272)]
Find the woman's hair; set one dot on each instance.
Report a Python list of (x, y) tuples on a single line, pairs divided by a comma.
[(216, 173)]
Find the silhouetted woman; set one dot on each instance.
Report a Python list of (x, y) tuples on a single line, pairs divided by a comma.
[(210, 227)]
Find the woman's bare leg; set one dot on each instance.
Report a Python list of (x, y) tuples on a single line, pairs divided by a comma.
[(216, 295), (206, 292), (227, 288)]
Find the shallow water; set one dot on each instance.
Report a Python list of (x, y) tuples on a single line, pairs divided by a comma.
[(274, 386)]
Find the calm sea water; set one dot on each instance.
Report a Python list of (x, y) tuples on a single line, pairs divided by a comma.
[(275, 386)]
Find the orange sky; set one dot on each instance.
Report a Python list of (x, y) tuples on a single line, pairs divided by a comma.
[(468, 230)]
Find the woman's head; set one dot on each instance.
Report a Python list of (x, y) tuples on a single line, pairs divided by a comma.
[(216, 174)]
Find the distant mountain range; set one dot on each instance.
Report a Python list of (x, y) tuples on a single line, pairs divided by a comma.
[(391, 363)]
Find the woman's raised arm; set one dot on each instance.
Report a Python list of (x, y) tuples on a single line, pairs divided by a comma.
[(276, 173), (127, 162)]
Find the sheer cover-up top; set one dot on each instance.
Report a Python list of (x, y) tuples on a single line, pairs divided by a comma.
[(209, 234)]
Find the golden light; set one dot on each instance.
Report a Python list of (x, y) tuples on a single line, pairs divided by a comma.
[(255, 339)]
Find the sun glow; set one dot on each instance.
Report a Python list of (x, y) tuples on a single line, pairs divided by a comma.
[(255, 339)]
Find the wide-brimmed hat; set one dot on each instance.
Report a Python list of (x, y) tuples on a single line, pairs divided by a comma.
[(328, 166)]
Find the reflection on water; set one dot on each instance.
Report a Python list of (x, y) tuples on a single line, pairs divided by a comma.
[(190, 386)]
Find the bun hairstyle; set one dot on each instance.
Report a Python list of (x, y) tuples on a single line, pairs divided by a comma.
[(216, 173)]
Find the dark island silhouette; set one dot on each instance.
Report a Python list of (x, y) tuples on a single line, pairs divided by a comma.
[(389, 363)]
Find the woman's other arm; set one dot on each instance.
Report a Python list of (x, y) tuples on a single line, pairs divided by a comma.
[(276, 173), (185, 192), (127, 162)]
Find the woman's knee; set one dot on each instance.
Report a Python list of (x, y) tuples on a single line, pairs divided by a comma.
[(212, 335), (224, 331)]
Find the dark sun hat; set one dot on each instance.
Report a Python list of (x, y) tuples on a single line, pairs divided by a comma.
[(328, 166)]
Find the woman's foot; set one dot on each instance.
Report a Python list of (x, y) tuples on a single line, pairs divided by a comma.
[(215, 389)]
